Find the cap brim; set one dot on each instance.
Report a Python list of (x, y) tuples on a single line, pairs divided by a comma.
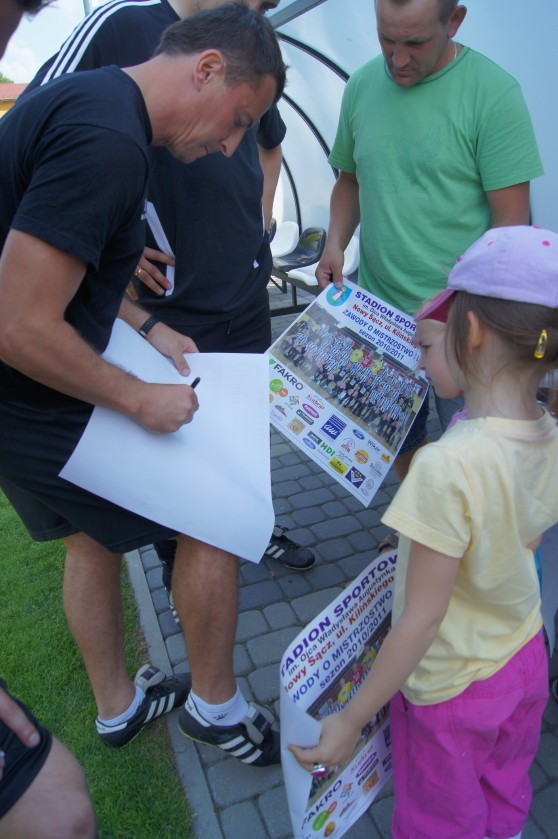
[(438, 308)]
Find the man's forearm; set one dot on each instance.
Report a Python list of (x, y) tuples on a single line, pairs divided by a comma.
[(270, 161), (132, 314), (59, 358), (344, 211)]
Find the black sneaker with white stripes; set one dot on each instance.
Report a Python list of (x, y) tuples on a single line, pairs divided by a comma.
[(162, 694), (287, 552), (253, 741)]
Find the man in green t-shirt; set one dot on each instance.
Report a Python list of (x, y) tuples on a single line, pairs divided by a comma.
[(434, 146)]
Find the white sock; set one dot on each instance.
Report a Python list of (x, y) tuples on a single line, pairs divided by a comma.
[(227, 713), (130, 710)]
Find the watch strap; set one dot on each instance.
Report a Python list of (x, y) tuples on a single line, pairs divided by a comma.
[(147, 326)]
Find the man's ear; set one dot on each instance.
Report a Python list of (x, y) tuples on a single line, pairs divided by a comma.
[(456, 19), (209, 65)]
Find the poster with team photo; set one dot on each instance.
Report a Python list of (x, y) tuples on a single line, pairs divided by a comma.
[(321, 670), (345, 387)]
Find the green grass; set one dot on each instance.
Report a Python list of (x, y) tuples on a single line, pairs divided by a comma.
[(135, 790)]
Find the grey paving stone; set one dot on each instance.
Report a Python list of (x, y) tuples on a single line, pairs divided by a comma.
[(339, 490), (254, 572), (232, 782), (280, 615), (335, 509), (168, 624), (149, 559), (278, 449), (281, 505), (362, 541), (354, 505), (380, 812), (308, 607), (295, 586), (544, 809), (531, 831), (242, 663), (551, 714), (341, 526), (160, 600), (260, 594), (183, 667), (335, 549), (353, 565), (291, 473), (547, 756), (308, 516), (270, 648), (264, 683), (176, 649), (242, 820), (250, 624), (368, 518), (289, 459), (311, 482), (365, 828), (274, 810), (310, 499), (211, 755), (154, 578), (283, 488), (330, 575), (301, 535), (538, 777)]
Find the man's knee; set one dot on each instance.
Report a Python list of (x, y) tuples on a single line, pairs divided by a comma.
[(55, 805), (72, 817), (83, 546)]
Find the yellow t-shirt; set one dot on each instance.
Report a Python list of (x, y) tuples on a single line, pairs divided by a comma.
[(481, 493)]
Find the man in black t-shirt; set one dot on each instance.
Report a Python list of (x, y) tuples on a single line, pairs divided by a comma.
[(73, 181), (210, 213), (42, 787)]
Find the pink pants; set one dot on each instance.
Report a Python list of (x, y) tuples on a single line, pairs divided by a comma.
[(460, 768)]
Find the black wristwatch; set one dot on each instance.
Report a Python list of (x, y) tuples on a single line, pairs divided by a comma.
[(147, 326)]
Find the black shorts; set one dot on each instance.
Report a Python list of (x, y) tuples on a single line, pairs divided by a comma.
[(247, 331), (35, 444), (21, 763)]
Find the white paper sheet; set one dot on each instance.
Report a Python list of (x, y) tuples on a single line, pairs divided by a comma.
[(162, 242), (211, 478)]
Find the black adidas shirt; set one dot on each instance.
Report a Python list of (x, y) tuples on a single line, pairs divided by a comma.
[(73, 173), (210, 210)]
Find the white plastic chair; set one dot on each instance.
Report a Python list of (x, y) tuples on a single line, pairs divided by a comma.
[(285, 239), (307, 274)]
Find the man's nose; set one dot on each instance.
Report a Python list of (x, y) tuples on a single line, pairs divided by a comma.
[(400, 56), (230, 144)]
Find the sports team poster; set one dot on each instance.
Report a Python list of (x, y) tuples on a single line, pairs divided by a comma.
[(320, 671), (345, 385)]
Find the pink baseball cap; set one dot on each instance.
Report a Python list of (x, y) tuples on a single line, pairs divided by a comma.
[(509, 263)]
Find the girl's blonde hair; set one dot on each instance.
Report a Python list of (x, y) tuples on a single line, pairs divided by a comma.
[(518, 326)]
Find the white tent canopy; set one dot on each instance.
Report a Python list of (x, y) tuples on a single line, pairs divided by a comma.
[(325, 40)]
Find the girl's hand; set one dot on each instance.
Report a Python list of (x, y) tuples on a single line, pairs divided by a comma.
[(337, 743)]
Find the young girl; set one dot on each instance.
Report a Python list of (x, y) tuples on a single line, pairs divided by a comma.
[(465, 664)]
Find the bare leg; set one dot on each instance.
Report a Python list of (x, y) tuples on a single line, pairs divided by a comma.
[(93, 605), (56, 805), (402, 462), (205, 590)]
